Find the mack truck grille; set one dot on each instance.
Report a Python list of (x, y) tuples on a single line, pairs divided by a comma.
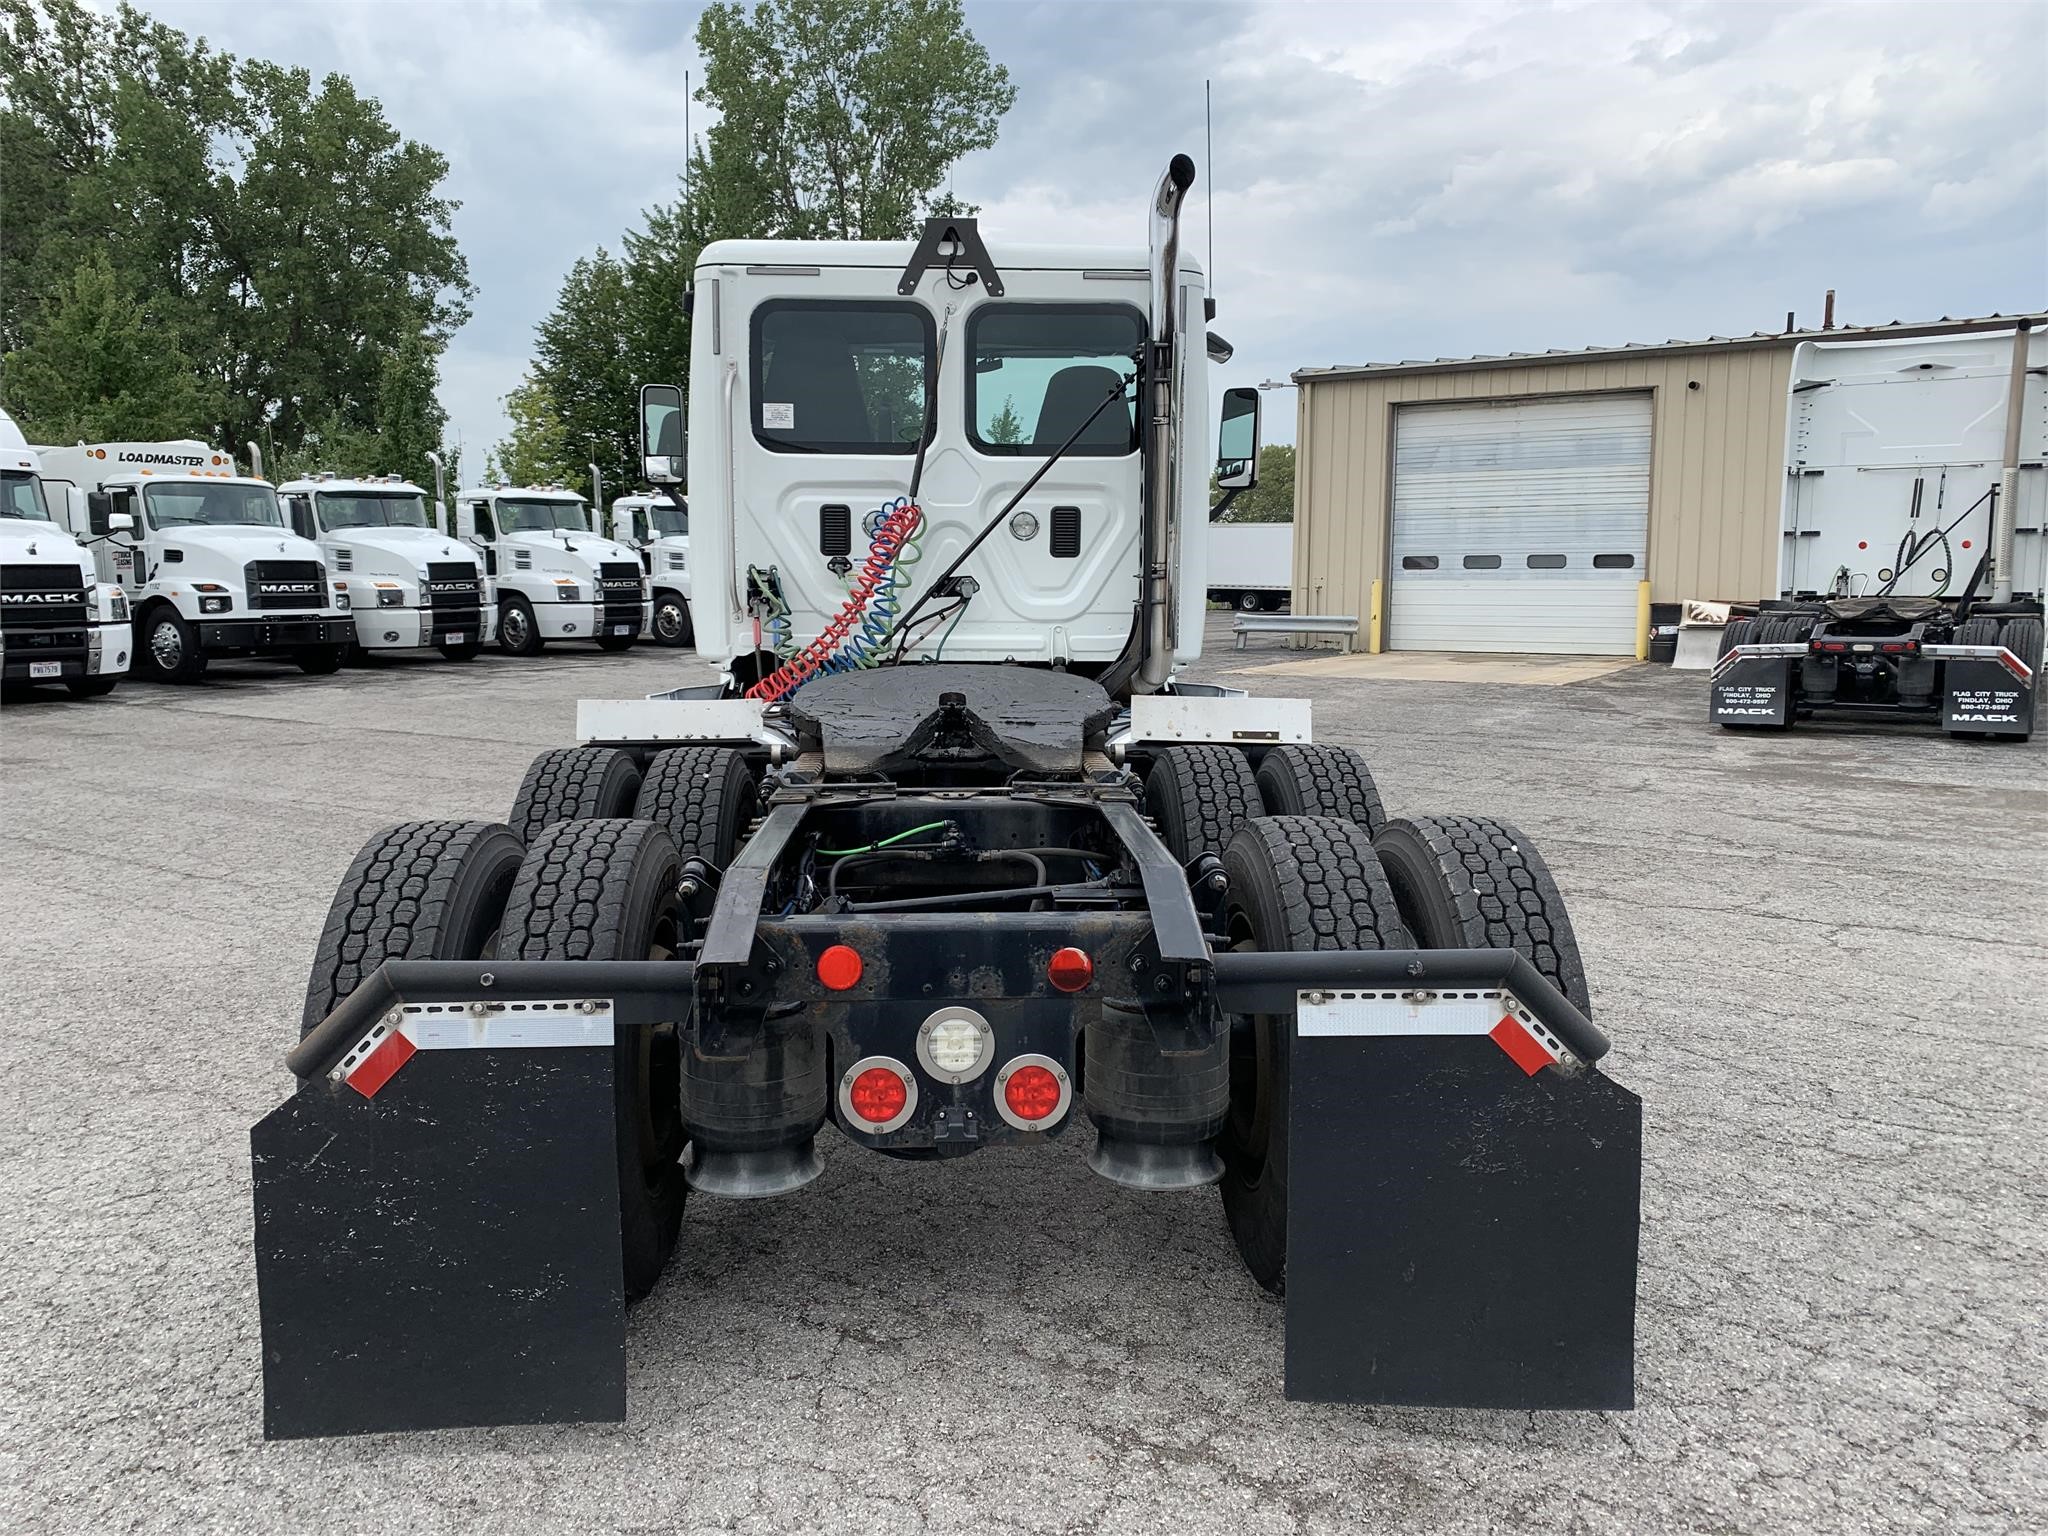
[(286, 584), (40, 596), (453, 584), (619, 580)]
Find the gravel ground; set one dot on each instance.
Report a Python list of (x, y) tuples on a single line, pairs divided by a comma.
[(1821, 955)]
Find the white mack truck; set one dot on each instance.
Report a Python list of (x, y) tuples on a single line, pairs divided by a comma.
[(209, 566), (58, 622), (950, 859), (659, 527), (556, 578), (410, 586)]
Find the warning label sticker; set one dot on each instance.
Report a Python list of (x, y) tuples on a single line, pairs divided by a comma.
[(777, 417)]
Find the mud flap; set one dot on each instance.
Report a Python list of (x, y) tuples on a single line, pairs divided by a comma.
[(437, 1230), (1983, 695), (1462, 1209), (1754, 691)]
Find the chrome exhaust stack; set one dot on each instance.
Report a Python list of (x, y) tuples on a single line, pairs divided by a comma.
[(1162, 432)]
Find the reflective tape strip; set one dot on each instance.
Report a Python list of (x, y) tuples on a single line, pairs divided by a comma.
[(1497, 1014), (1997, 653), (1759, 653), (547, 1024)]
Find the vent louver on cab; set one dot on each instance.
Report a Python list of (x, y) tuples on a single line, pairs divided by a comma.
[(1066, 533), (835, 530)]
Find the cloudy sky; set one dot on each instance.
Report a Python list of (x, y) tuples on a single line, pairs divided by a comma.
[(1390, 180)]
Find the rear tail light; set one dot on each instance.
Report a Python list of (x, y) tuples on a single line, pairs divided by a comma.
[(839, 967), (1033, 1092), (1070, 969), (877, 1093)]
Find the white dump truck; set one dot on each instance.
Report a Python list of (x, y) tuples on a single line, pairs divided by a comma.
[(410, 586), (659, 527), (555, 578), (58, 622), (205, 557)]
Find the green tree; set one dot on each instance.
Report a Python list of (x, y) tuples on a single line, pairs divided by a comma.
[(538, 451), (276, 229), (839, 119), (587, 356), (98, 369), (410, 422), (1006, 426), (1272, 499)]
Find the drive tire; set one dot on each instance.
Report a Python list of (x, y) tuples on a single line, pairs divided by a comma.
[(573, 784), (1297, 883), (422, 890), (320, 660), (518, 629), (167, 647), (1978, 632), (89, 687), (672, 624), (1470, 882), (606, 890), (1738, 632), (1310, 780), (2022, 636), (703, 797), (1198, 797)]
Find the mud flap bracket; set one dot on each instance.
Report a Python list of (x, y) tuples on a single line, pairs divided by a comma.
[(1463, 1195)]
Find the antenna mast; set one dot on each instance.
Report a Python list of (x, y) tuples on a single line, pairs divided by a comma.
[(1209, 165)]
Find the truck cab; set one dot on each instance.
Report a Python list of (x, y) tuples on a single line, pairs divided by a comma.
[(410, 586), (659, 527), (58, 622), (556, 579)]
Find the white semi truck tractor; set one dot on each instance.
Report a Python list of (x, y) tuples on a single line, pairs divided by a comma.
[(556, 579), (659, 527), (205, 557), (58, 622), (410, 586)]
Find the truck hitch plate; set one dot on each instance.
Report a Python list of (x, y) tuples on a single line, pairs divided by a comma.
[(1462, 1207), (437, 1227)]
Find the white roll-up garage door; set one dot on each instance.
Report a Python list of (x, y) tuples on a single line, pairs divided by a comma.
[(1520, 525)]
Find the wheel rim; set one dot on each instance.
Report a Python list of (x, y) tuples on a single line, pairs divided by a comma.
[(515, 624), (668, 620), (166, 645), (1247, 603)]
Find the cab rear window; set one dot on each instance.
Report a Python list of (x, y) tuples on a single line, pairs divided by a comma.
[(841, 376), (1040, 371)]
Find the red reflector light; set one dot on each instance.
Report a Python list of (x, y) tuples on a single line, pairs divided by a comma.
[(1032, 1093), (1070, 970), (878, 1094), (839, 968)]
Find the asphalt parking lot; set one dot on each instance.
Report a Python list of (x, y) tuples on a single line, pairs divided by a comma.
[(1822, 957)]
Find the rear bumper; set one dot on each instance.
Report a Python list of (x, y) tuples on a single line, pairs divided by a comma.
[(1984, 689)]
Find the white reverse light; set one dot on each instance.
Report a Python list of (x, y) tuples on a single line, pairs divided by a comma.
[(955, 1044)]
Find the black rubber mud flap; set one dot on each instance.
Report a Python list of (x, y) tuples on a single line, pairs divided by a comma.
[(1752, 693), (443, 1251), (1986, 696), (1461, 1228)]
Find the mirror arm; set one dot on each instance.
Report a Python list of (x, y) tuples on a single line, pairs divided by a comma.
[(1223, 506)]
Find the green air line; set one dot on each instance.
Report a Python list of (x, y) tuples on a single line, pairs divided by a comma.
[(836, 853)]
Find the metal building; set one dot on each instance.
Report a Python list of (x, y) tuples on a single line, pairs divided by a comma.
[(1543, 502)]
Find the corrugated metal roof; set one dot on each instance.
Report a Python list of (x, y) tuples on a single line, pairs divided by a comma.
[(1891, 331)]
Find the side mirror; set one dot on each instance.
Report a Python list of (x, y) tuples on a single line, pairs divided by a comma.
[(1237, 441), (120, 522), (99, 510), (664, 441)]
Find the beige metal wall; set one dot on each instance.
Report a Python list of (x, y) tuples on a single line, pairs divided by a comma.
[(1717, 468)]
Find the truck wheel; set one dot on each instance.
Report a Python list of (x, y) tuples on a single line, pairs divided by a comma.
[(518, 630), (1978, 632), (1198, 796), (2022, 637), (1470, 882), (462, 650), (89, 687), (606, 890), (320, 660), (1246, 602), (170, 647), (573, 784), (616, 642), (1310, 780), (1296, 883), (704, 797), (672, 624), (422, 890), (1737, 632)]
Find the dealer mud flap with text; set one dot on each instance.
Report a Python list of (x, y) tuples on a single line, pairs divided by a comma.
[(1462, 1207), (1753, 690), (1986, 690), (437, 1223)]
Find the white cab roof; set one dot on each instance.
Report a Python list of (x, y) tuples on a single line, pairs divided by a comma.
[(895, 255)]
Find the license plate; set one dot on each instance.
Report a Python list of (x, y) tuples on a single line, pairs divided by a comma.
[(46, 669), (622, 629), (453, 637)]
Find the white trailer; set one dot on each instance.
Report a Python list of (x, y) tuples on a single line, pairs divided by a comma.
[(659, 527), (555, 578), (58, 622), (205, 557), (410, 586), (1251, 565)]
